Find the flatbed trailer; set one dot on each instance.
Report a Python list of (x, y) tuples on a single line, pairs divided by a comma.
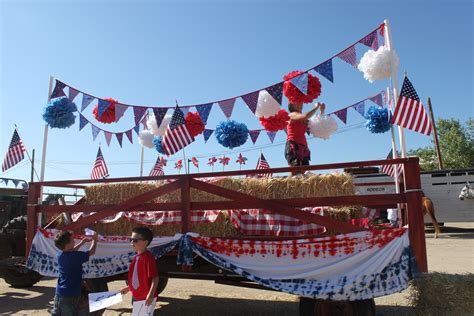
[(202, 269)]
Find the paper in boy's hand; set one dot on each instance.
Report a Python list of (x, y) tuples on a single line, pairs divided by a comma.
[(102, 300), (140, 309)]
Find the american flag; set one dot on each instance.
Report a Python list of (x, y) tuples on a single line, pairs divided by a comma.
[(212, 161), (178, 164), (99, 171), (390, 169), (157, 168), (15, 152), (409, 112), (263, 164), (177, 135)]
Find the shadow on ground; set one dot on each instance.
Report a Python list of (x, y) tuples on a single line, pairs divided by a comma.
[(214, 306), (22, 301)]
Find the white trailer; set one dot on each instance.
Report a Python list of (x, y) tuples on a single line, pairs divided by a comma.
[(442, 187)]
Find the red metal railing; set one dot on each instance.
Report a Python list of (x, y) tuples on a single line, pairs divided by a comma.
[(236, 200)]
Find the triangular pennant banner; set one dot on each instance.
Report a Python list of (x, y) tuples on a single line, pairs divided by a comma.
[(349, 56), (207, 133), (251, 100), (276, 91), (159, 115), (95, 131), (15, 182), (377, 99), (139, 111), (227, 106), (58, 90), (271, 136), (301, 82), (360, 107), (119, 111), (369, 39), (204, 110), (103, 106), (137, 129), (6, 181), (185, 110), (86, 100), (325, 70), (119, 138), (108, 137), (72, 94), (254, 135), (342, 115), (129, 136), (82, 121)]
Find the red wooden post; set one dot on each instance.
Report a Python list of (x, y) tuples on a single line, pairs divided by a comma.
[(185, 205), (32, 221), (416, 227)]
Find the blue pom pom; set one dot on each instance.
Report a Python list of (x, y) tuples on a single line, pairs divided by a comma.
[(59, 113), (378, 120), (158, 146), (231, 134)]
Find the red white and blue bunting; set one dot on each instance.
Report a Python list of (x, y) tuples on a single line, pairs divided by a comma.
[(353, 266)]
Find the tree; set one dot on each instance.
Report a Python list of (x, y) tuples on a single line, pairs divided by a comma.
[(456, 143)]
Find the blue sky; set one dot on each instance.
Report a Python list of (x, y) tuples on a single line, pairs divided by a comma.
[(152, 53)]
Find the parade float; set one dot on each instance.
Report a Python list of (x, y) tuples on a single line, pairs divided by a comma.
[(304, 235)]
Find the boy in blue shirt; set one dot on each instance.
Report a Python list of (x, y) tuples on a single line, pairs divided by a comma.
[(70, 260)]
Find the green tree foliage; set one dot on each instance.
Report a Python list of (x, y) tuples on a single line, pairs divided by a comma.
[(456, 143)]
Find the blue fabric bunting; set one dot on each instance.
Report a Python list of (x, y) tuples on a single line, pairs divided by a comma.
[(231, 134), (378, 120), (158, 146), (59, 113)]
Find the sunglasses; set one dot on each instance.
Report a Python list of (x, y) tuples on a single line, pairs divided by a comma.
[(135, 240)]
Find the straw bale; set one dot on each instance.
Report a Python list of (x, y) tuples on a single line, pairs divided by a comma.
[(333, 184), (438, 293)]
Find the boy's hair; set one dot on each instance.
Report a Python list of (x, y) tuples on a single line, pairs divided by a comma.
[(144, 232), (62, 239)]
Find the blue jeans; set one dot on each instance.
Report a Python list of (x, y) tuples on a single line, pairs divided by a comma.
[(65, 305)]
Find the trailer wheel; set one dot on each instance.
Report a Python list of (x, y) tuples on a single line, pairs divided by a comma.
[(18, 277), (312, 307), (162, 282)]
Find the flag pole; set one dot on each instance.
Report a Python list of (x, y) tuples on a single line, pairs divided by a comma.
[(401, 134), (435, 135), (43, 154), (142, 154), (184, 162), (394, 155), (33, 171)]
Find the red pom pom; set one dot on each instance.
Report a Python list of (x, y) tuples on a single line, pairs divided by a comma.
[(275, 122), (194, 123), (294, 95), (109, 115)]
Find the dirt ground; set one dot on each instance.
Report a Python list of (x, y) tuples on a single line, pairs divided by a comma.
[(451, 253)]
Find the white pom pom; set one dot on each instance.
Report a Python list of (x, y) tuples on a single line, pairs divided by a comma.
[(145, 138), (322, 126), (158, 131), (266, 105), (380, 64)]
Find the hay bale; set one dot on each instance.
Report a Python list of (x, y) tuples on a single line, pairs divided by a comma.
[(221, 227), (333, 184), (438, 293)]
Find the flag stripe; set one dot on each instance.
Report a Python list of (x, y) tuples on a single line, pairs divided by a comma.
[(15, 152), (409, 112), (99, 171)]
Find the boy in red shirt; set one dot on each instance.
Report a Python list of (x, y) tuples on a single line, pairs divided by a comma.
[(143, 273)]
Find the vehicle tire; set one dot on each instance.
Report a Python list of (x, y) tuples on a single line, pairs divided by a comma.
[(364, 307), (93, 286), (162, 282), (18, 222), (19, 277)]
